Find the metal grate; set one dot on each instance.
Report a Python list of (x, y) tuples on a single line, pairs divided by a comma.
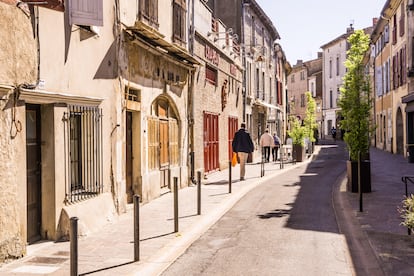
[(83, 150)]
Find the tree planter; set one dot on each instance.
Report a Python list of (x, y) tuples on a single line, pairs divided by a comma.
[(352, 172), (299, 153)]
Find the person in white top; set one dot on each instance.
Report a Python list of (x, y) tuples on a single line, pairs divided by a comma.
[(266, 142)]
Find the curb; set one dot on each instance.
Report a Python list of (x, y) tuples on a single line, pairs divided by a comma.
[(361, 255)]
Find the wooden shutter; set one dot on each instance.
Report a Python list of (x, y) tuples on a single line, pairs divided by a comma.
[(153, 143), (86, 12), (173, 139)]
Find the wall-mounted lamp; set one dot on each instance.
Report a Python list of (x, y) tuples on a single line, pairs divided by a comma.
[(228, 31)]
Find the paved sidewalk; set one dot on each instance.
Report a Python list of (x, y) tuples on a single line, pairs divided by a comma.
[(110, 252), (380, 220)]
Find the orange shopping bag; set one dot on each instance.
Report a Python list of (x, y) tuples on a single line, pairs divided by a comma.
[(234, 159)]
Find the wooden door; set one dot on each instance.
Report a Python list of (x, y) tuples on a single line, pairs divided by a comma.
[(164, 153), (33, 162), (128, 165), (211, 142)]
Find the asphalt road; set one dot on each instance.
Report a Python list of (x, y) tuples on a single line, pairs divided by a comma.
[(286, 226)]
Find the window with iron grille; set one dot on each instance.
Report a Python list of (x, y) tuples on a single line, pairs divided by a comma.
[(179, 15), (83, 144), (148, 12)]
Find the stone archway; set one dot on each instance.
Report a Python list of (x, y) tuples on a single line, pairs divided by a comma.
[(399, 127), (164, 138)]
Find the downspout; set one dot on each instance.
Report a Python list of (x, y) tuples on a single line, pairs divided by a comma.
[(191, 99), (244, 88)]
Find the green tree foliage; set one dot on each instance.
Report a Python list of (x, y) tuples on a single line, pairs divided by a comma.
[(310, 119), (355, 101), (297, 132)]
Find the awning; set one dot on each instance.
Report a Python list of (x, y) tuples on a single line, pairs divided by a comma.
[(152, 36), (56, 5), (408, 98), (43, 97)]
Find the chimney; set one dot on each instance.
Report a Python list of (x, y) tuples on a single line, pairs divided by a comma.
[(299, 62), (320, 54), (350, 29), (374, 21)]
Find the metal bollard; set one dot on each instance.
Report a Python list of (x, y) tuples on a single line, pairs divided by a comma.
[(359, 183), (404, 179), (198, 193), (136, 228), (281, 155), (230, 177), (262, 165), (73, 236), (175, 204)]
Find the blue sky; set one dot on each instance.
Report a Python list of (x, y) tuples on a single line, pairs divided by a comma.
[(307, 24)]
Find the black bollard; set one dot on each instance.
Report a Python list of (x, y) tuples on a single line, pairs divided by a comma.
[(359, 183), (198, 193), (136, 228), (175, 204), (73, 236), (230, 177), (262, 164)]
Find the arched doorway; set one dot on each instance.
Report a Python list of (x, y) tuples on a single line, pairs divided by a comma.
[(399, 132), (163, 138)]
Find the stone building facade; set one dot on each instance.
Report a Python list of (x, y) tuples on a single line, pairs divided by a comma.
[(264, 78), (217, 102), (390, 62), (102, 104), (20, 45), (305, 76)]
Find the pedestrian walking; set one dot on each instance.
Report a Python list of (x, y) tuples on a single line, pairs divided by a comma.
[(243, 145), (276, 145), (266, 142), (333, 132)]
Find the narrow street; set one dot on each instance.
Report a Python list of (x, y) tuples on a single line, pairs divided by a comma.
[(286, 226)]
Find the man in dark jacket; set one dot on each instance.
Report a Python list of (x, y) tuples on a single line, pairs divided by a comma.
[(243, 145)]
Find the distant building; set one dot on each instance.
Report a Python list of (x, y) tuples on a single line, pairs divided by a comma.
[(333, 68)]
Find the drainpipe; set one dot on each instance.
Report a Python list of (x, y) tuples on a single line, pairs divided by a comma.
[(244, 88), (191, 99)]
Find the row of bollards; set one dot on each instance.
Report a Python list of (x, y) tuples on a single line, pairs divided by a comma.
[(73, 231)]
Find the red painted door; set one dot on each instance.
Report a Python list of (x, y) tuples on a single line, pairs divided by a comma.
[(211, 142)]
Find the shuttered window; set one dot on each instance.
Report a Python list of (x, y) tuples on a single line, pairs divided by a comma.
[(86, 12), (179, 15), (148, 12), (174, 144)]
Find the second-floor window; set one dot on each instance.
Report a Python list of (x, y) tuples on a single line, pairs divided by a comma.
[(330, 68), (86, 13), (148, 12), (337, 66), (211, 75), (179, 14), (330, 99)]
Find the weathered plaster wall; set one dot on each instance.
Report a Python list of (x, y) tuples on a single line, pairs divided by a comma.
[(18, 65)]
